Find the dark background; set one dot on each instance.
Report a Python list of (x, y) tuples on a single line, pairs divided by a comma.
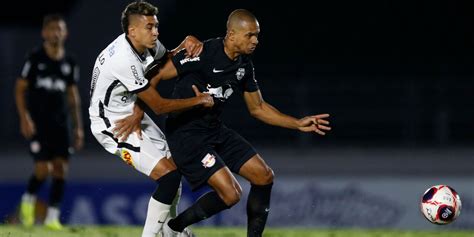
[(390, 73)]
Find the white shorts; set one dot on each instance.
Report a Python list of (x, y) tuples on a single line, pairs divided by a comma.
[(144, 154)]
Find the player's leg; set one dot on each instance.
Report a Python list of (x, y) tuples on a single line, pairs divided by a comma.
[(35, 182), (260, 176), (227, 192), (154, 148), (168, 179), (59, 147), (243, 159), (59, 172)]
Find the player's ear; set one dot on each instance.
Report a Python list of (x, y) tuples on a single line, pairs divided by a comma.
[(231, 34), (131, 31)]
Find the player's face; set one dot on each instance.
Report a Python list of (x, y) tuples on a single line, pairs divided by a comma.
[(55, 32), (246, 38), (146, 31)]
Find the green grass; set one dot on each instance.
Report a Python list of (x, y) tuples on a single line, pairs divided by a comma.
[(121, 231)]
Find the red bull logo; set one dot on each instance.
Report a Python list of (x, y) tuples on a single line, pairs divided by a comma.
[(208, 161)]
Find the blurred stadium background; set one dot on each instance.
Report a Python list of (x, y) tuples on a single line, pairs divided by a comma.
[(396, 76)]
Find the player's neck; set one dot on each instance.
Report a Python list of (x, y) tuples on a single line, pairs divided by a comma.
[(54, 51), (229, 51), (140, 49)]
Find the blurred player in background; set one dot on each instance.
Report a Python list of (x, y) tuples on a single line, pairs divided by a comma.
[(204, 149), (118, 90), (47, 98)]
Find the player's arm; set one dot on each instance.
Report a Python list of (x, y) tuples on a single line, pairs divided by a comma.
[(166, 72), (161, 105), (192, 46), (27, 126), (130, 124), (266, 113), (74, 102)]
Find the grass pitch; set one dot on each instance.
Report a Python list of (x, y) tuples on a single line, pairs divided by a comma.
[(121, 231)]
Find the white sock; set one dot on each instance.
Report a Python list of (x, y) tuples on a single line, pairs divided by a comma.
[(174, 205), (52, 214), (28, 197), (155, 217)]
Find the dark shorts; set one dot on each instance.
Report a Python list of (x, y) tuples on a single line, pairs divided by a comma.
[(200, 153), (46, 147)]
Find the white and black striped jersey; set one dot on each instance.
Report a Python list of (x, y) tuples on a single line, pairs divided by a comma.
[(117, 77), (214, 73), (48, 80)]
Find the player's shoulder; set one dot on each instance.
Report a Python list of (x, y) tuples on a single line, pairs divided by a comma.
[(35, 53), (120, 53), (213, 44)]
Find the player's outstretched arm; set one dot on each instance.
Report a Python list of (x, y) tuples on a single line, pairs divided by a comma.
[(161, 105), (266, 113)]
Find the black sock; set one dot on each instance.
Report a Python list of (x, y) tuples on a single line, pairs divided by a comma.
[(167, 187), (57, 192), (258, 206), (207, 205), (34, 184)]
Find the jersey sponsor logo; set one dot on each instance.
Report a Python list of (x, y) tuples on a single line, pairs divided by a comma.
[(183, 61), (138, 80), (127, 157), (214, 70), (240, 73), (208, 161), (50, 84), (222, 92)]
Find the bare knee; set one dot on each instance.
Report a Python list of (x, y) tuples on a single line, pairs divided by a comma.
[(230, 198), (264, 177), (41, 170), (59, 168), (268, 175)]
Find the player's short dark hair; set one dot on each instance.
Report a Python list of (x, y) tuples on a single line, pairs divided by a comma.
[(52, 18), (137, 8)]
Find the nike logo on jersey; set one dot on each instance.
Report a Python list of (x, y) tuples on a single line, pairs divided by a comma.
[(214, 70)]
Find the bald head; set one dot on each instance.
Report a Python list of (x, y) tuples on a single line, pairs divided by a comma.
[(240, 18), (242, 33)]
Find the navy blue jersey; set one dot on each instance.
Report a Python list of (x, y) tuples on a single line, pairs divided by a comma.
[(212, 72), (48, 80)]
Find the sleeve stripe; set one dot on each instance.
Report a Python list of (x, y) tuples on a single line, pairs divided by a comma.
[(26, 69), (109, 92)]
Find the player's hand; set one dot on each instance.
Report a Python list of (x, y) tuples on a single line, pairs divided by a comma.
[(126, 126), (192, 46), (205, 99), (27, 127), (314, 123), (78, 139)]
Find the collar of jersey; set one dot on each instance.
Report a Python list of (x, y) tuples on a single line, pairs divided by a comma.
[(139, 56)]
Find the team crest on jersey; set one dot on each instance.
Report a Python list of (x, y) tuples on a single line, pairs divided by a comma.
[(208, 161), (66, 69), (127, 157), (240, 73)]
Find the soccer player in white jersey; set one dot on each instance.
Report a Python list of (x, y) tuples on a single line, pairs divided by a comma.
[(118, 85)]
